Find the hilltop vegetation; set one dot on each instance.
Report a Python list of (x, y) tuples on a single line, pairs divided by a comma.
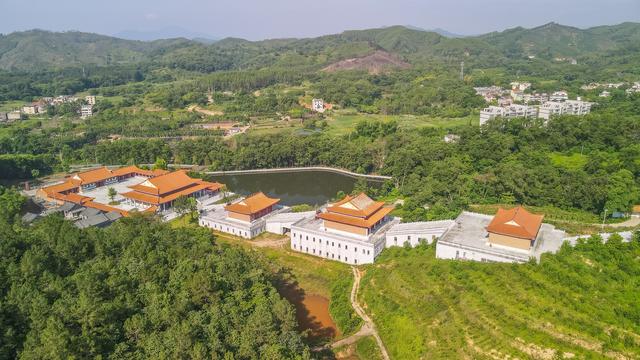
[(138, 289), (36, 49), (581, 303)]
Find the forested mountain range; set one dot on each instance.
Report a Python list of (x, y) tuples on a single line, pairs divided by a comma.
[(36, 50)]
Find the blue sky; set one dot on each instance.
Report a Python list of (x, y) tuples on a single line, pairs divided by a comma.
[(254, 19)]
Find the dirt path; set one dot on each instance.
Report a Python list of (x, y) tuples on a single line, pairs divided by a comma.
[(633, 222), (200, 110), (367, 329)]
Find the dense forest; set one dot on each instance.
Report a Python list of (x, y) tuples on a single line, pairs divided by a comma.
[(139, 289)]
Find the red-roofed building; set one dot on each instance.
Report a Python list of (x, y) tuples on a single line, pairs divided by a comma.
[(156, 191), (351, 230), (246, 217), (161, 191), (516, 228), (358, 215)]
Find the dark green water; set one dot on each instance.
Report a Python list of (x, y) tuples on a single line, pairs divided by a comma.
[(310, 187)]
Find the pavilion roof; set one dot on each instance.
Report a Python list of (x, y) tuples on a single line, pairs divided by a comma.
[(516, 222), (252, 204)]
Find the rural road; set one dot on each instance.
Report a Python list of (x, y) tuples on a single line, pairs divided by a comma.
[(367, 329)]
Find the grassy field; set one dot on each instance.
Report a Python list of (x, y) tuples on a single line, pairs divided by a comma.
[(580, 303), (342, 123), (364, 349), (6, 106), (571, 162)]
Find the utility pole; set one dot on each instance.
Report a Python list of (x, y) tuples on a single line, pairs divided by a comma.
[(462, 71)]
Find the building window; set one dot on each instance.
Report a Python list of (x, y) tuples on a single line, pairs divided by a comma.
[(333, 244), (314, 239), (314, 251), (395, 240), (307, 237), (457, 254), (355, 249), (338, 257), (346, 247), (367, 252), (355, 261), (338, 245), (307, 249), (320, 241), (346, 259)]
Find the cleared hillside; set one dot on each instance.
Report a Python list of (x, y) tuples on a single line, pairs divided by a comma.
[(376, 63)]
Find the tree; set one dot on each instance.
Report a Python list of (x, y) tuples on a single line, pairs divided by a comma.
[(35, 173), (185, 205), (621, 192), (160, 164), (112, 193)]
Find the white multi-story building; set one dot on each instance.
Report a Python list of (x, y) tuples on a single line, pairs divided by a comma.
[(511, 111), (569, 107), (559, 96), (521, 86), (317, 105), (90, 99), (86, 111), (30, 109), (351, 231)]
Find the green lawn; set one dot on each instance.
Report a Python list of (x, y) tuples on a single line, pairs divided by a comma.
[(582, 302), (571, 162), (6, 106)]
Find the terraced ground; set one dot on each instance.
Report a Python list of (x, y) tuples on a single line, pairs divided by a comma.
[(580, 303)]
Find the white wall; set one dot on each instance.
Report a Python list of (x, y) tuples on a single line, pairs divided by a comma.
[(237, 230), (446, 251), (412, 238), (333, 248)]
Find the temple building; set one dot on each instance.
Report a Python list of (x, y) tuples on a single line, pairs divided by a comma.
[(161, 191), (513, 235), (136, 190), (351, 230), (245, 217), (514, 228)]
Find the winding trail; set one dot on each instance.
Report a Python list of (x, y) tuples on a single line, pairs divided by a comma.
[(367, 329)]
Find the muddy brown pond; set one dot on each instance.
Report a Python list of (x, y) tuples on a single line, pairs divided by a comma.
[(312, 312)]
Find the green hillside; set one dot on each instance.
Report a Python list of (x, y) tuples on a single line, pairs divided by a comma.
[(580, 303), (554, 40), (37, 49)]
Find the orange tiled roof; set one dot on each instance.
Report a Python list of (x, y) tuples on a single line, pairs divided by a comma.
[(359, 206), (516, 222), (636, 209), (58, 188), (76, 198), (92, 176), (162, 199), (357, 221), (252, 204), (165, 183)]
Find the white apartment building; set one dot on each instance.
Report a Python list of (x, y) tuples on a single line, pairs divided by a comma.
[(569, 107), (559, 96), (29, 109), (90, 99), (86, 111), (511, 111)]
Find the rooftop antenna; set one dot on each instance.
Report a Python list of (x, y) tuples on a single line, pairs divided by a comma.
[(462, 71)]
